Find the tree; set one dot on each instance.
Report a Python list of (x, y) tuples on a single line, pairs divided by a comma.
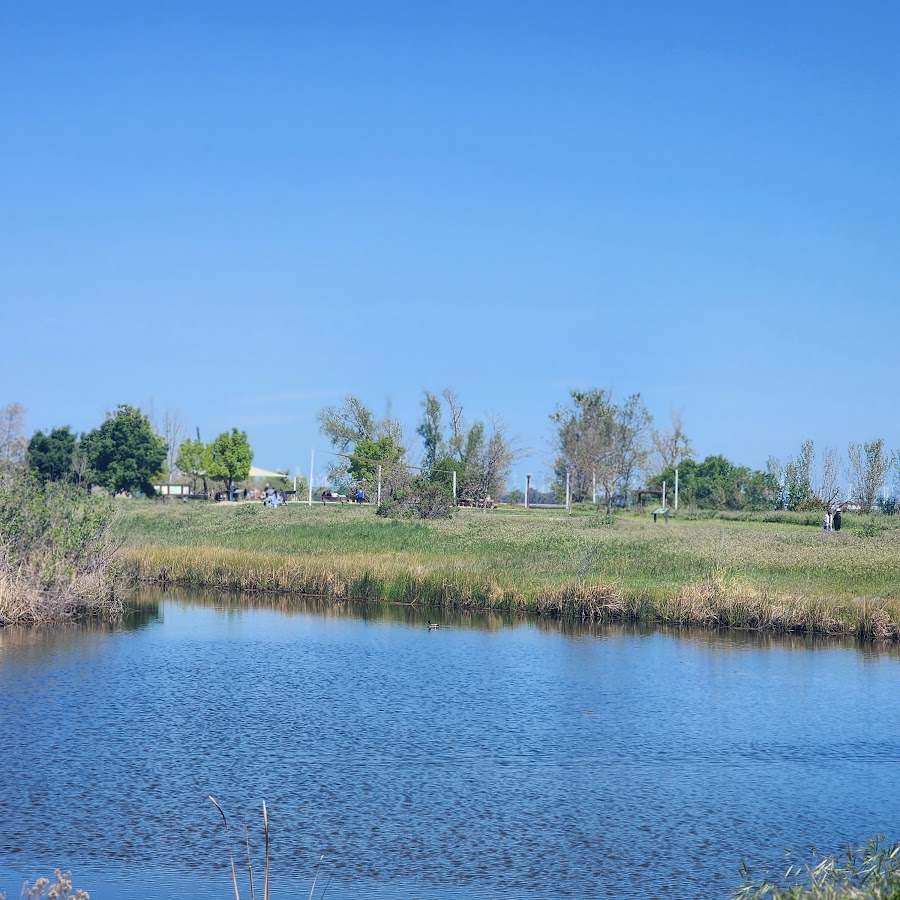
[(869, 465), (124, 453), (193, 462), (51, 456), (797, 491), (487, 463), (828, 488), (13, 444), (229, 457), (598, 439), (431, 432), (672, 445), (172, 430), (352, 422), (716, 483), (368, 456)]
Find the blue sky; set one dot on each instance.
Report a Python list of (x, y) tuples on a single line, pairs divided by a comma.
[(245, 213)]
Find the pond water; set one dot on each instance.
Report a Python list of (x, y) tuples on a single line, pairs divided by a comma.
[(487, 758)]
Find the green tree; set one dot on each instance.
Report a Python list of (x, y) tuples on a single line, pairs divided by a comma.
[(193, 461), (430, 431), (229, 457), (124, 453), (369, 455), (50, 456), (346, 426)]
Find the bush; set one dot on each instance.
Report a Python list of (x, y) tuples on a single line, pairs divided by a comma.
[(423, 499), (56, 551)]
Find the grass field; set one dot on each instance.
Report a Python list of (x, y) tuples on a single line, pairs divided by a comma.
[(783, 575)]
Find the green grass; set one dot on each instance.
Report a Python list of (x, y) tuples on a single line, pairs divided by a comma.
[(714, 570)]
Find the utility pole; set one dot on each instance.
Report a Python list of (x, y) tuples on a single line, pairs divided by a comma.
[(676, 490), (568, 494), (527, 488), (454, 487), (379, 484), (664, 496)]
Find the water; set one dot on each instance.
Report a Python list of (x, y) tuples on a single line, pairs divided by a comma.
[(484, 759)]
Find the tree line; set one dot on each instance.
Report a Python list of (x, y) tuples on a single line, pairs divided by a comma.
[(604, 450), (125, 454)]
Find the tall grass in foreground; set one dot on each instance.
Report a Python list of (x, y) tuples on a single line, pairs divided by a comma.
[(871, 872), (57, 553)]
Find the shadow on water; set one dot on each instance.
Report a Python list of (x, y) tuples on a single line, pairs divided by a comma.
[(144, 609)]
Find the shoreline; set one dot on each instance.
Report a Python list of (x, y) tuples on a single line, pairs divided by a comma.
[(715, 600)]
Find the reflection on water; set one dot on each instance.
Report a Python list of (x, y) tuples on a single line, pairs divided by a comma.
[(494, 757)]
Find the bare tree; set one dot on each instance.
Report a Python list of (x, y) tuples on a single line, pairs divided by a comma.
[(457, 439), (597, 438), (13, 443), (869, 465), (828, 488), (172, 430), (672, 445), (488, 467)]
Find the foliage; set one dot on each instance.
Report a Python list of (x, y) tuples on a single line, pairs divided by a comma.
[(597, 438), (430, 432), (422, 499), (193, 460), (368, 455), (125, 454), (345, 427), (716, 483), (50, 456), (442, 472), (56, 551), (229, 457), (869, 465), (871, 872)]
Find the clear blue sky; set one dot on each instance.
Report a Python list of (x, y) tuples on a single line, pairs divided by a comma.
[(245, 212)]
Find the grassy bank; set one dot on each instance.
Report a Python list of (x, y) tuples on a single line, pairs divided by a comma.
[(748, 574)]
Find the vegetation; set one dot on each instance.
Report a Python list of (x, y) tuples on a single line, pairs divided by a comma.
[(50, 456), (57, 556), (781, 576), (601, 445), (60, 888), (228, 457), (871, 872), (124, 454)]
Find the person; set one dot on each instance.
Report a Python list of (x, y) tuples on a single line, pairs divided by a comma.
[(836, 520), (360, 495), (826, 522)]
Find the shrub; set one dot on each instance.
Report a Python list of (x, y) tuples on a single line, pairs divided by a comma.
[(423, 499), (56, 551)]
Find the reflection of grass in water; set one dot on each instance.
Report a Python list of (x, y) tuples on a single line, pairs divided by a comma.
[(714, 572)]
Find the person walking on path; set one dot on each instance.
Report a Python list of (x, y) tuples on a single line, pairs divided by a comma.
[(836, 520)]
